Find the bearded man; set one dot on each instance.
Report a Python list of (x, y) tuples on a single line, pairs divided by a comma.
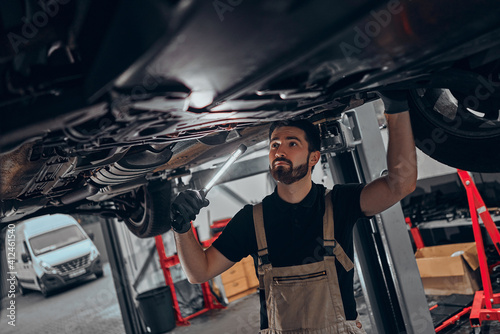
[(301, 236)]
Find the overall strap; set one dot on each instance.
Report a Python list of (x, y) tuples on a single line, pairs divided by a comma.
[(332, 247), (264, 265), (260, 234)]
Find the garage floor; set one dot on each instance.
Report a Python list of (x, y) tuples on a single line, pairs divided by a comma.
[(88, 307), (241, 317)]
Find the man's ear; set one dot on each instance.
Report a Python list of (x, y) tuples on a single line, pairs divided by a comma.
[(314, 158)]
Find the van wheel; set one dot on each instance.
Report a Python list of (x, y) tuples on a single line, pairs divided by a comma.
[(148, 210), (20, 288), (43, 289), (99, 274)]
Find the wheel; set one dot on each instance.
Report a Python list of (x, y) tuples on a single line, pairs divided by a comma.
[(20, 288), (459, 126), (43, 289), (99, 274), (149, 215)]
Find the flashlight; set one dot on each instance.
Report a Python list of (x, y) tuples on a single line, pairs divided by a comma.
[(236, 154), (203, 192)]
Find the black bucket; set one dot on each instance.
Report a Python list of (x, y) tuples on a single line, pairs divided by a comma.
[(157, 310)]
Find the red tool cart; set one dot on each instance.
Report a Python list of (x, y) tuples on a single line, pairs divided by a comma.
[(166, 262), (460, 305), (415, 233), (482, 307)]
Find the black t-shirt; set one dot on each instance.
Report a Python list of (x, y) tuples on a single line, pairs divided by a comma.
[(294, 233)]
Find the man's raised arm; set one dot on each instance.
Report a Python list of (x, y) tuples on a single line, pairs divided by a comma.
[(401, 178)]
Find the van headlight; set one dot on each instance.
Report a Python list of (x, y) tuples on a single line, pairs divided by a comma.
[(94, 254), (48, 268)]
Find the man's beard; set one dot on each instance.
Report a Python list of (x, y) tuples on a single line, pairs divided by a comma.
[(288, 174)]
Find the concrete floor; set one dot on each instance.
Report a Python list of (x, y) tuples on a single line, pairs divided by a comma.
[(240, 317), (88, 307)]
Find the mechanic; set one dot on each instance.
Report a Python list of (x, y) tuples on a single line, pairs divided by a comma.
[(301, 236)]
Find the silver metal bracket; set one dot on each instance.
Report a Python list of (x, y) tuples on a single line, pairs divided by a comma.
[(340, 135)]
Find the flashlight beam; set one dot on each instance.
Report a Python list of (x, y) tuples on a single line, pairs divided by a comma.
[(236, 154)]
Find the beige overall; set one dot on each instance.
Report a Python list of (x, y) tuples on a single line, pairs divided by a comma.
[(304, 298)]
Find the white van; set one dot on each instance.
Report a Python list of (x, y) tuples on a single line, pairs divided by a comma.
[(53, 251)]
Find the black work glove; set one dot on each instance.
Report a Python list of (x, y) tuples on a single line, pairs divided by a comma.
[(184, 209), (395, 101)]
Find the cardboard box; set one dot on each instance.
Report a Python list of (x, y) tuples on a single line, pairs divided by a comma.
[(252, 279), (232, 274), (443, 274)]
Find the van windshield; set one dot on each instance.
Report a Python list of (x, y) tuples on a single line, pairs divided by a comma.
[(52, 240)]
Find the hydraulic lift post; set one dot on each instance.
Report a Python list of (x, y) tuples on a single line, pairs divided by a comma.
[(384, 256), (130, 316)]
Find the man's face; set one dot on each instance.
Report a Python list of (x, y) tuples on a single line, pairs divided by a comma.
[(288, 154)]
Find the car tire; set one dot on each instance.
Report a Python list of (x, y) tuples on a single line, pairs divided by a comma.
[(451, 133), (21, 289), (99, 274), (43, 289), (151, 217)]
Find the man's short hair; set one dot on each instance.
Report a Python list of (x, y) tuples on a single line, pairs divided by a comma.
[(311, 131)]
